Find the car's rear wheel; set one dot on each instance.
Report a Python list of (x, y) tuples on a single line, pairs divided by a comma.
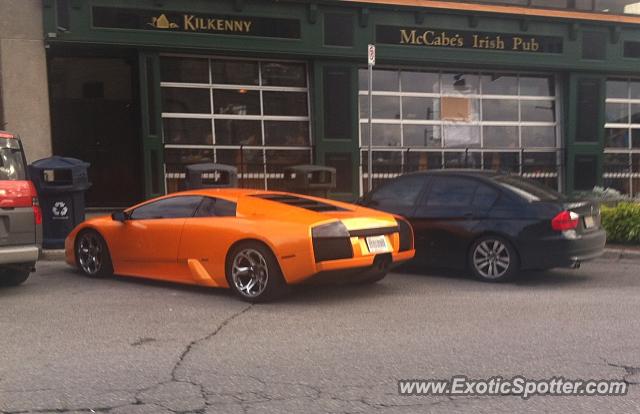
[(493, 259), (14, 276), (253, 273), (92, 254)]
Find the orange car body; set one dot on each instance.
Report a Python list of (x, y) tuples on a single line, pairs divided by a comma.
[(194, 250)]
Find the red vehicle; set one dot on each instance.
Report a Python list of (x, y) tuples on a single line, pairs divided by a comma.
[(20, 214)]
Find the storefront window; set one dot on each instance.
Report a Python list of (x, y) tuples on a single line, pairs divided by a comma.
[(432, 119), (184, 70), (622, 136), (186, 100), (249, 113)]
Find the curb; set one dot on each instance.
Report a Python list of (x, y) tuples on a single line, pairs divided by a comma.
[(621, 253), (48, 255)]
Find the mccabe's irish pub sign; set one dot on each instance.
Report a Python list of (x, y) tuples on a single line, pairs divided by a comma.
[(171, 21), (462, 39)]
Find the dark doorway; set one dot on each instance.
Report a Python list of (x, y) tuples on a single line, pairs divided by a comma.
[(95, 117)]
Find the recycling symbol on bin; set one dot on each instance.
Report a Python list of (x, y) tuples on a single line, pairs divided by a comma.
[(60, 209)]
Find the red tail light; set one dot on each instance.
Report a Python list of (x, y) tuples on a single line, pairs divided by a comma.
[(565, 220), (16, 194), (37, 211)]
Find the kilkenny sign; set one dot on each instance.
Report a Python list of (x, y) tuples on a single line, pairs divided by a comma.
[(461, 39), (171, 21)]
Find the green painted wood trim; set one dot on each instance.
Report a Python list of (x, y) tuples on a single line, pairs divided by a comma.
[(325, 145), (310, 45), (573, 147), (152, 147)]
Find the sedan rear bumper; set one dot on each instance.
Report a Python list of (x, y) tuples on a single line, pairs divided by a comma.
[(567, 249), (19, 254)]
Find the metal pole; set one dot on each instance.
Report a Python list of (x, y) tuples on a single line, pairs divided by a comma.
[(242, 165), (370, 154)]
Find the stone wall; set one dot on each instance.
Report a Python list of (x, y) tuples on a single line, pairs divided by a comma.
[(23, 76)]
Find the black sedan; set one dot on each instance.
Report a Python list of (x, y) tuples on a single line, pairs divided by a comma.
[(491, 223)]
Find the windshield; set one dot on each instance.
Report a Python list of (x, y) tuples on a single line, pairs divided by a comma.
[(11, 161), (528, 189)]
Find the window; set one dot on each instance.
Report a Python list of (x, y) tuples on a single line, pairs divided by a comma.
[(425, 119), (172, 207), (451, 192), (403, 191), (12, 166), (632, 49), (484, 197), (531, 191), (216, 207), (622, 136), (234, 111)]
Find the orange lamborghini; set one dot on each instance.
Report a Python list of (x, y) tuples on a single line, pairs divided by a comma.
[(255, 242)]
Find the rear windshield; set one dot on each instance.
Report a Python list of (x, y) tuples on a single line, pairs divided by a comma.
[(529, 190), (11, 160)]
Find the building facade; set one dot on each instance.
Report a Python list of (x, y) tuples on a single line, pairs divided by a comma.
[(142, 88)]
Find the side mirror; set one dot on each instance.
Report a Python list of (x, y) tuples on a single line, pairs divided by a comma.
[(119, 216)]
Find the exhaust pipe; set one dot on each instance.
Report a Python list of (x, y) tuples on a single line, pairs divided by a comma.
[(382, 262)]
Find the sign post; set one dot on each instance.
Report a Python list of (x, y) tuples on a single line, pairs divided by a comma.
[(372, 61)]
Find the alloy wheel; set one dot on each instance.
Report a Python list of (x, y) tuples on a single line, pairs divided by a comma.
[(491, 259), (90, 253), (250, 273)]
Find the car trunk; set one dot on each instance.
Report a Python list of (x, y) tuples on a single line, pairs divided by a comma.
[(589, 212)]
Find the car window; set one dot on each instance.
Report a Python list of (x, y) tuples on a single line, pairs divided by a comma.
[(216, 207), (484, 197), (527, 189), (451, 192), (403, 190), (11, 160), (172, 207)]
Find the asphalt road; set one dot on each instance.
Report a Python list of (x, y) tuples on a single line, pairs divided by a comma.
[(71, 344)]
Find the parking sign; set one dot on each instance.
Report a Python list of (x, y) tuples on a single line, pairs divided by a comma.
[(372, 55)]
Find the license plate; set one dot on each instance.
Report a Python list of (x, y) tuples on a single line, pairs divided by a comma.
[(589, 222), (377, 244)]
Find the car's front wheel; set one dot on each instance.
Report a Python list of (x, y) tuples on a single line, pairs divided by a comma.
[(92, 254), (493, 259), (253, 273)]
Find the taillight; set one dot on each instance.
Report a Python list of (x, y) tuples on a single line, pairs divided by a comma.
[(37, 211), (565, 220)]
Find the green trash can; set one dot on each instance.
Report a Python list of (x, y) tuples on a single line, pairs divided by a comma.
[(314, 180)]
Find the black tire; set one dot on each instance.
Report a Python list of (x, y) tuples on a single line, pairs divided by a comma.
[(493, 259), (92, 255), (253, 261), (13, 276)]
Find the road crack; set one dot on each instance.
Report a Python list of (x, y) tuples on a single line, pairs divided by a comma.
[(195, 342), (199, 393)]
